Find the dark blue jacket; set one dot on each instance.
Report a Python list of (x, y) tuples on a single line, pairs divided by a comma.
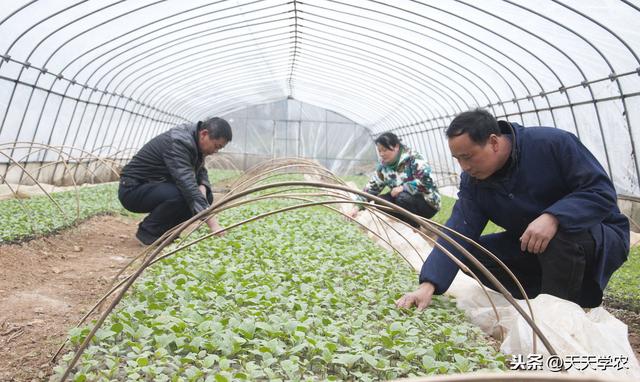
[(551, 171)]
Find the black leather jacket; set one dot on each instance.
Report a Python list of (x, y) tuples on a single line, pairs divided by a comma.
[(173, 156)]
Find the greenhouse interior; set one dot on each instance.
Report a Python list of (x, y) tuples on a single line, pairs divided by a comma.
[(232, 190)]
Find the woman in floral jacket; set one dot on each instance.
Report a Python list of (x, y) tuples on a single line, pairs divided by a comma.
[(408, 177)]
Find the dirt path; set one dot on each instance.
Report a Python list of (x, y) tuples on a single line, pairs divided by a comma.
[(46, 286)]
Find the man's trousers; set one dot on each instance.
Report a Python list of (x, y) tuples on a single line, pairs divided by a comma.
[(565, 269), (162, 200)]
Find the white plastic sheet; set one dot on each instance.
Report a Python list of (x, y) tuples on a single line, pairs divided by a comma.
[(109, 75), (572, 332)]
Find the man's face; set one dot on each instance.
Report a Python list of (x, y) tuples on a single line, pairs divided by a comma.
[(479, 161), (208, 145)]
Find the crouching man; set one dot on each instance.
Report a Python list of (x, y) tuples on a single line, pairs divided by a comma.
[(564, 234), (167, 178)]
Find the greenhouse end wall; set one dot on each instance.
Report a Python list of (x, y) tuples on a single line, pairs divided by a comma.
[(290, 128)]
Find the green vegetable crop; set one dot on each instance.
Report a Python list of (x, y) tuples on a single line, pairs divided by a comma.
[(296, 296)]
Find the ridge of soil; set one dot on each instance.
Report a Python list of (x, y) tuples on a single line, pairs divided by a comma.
[(48, 284)]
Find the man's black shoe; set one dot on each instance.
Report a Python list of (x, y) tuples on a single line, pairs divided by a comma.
[(145, 238)]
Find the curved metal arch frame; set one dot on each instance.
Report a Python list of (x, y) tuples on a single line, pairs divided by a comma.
[(127, 64), (321, 68), (617, 80), (608, 164), (196, 80), (297, 10), (43, 71), (402, 27), (122, 96), (449, 78), (424, 78), (142, 43), (223, 100), (149, 93), (463, 43), (423, 144), (144, 101), (421, 110)]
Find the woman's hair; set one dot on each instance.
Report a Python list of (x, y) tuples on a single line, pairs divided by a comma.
[(388, 140)]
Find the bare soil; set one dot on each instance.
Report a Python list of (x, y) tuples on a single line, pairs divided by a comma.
[(48, 284), (632, 319)]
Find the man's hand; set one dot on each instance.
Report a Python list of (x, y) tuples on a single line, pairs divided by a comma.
[(214, 226), (396, 191), (203, 190), (354, 212), (421, 297), (539, 233)]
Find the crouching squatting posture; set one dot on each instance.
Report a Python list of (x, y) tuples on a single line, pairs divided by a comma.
[(168, 179), (564, 234), (407, 176)]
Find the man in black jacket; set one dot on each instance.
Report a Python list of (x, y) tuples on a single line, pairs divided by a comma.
[(168, 179)]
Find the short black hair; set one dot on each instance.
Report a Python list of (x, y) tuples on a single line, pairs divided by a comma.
[(216, 128), (388, 140), (478, 123)]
